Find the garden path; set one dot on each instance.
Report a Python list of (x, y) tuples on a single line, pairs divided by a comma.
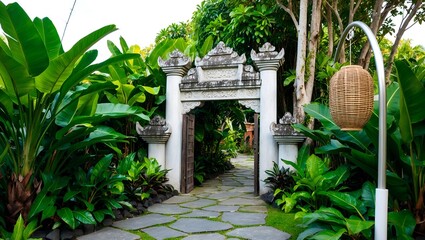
[(223, 208)]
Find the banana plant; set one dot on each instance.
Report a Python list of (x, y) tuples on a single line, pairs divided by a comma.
[(40, 93)]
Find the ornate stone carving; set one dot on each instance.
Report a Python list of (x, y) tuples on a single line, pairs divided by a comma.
[(220, 55), (253, 104), (217, 94), (176, 65), (187, 106), (157, 131), (284, 132), (268, 58)]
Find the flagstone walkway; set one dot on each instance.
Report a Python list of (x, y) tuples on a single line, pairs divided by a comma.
[(223, 208)]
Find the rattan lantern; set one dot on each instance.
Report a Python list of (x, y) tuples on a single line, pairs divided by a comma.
[(351, 97)]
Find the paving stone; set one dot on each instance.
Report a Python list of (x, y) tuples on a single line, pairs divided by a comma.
[(243, 219), (202, 213), (258, 209), (210, 236), (225, 194), (110, 234), (225, 188), (143, 221), (221, 208), (262, 232), (168, 209), (199, 203), (196, 225), (246, 189), (180, 199), (243, 201), (163, 232)]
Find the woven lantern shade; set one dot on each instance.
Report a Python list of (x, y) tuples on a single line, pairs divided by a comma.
[(351, 97)]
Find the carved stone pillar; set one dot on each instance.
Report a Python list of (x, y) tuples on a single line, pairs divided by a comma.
[(175, 67), (267, 61), (156, 134), (288, 139)]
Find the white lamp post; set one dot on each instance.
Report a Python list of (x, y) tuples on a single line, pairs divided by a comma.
[(381, 201)]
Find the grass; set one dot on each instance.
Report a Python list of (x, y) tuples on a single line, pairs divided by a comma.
[(283, 221)]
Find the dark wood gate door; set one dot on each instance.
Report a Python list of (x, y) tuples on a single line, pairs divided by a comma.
[(188, 154), (256, 156)]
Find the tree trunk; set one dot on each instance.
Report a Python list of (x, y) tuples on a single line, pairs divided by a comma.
[(299, 85), (330, 31), (403, 27), (316, 18), (374, 26)]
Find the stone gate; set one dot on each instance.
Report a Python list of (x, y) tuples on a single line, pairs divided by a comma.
[(222, 75)]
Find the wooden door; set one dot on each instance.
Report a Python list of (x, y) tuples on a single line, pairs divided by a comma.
[(256, 147), (188, 154)]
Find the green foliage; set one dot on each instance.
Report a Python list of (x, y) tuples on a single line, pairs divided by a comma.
[(312, 177), (349, 216), (143, 179), (86, 199), (279, 178), (216, 137), (21, 231)]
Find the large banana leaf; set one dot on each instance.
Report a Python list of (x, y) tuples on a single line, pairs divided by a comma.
[(61, 67), (14, 77), (24, 40), (50, 37), (412, 100)]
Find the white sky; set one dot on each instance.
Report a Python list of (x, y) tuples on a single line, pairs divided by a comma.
[(138, 20)]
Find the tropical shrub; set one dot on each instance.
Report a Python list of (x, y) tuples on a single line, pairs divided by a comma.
[(47, 114), (143, 179), (405, 123)]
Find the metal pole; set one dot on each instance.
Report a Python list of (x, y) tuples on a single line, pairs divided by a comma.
[(381, 201)]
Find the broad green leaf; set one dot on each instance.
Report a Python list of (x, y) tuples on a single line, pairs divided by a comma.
[(120, 110), (151, 90), (404, 222), (18, 229), (337, 177), (24, 40), (368, 194), (321, 113), (50, 36), (15, 79), (99, 169), (346, 201), (41, 202), (113, 48), (99, 216), (48, 212), (61, 67), (315, 166), (329, 234), (333, 147), (68, 217), (355, 226), (30, 229), (70, 195), (412, 100), (84, 217)]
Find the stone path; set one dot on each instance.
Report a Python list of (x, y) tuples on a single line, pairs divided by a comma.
[(223, 208)]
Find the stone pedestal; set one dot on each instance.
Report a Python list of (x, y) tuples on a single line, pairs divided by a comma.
[(156, 134), (268, 61), (175, 67), (288, 139)]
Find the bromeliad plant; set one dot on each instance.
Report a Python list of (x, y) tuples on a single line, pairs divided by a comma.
[(42, 101)]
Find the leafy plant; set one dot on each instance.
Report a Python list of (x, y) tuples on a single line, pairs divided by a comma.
[(143, 179), (312, 178), (37, 77), (21, 231), (279, 178), (90, 196)]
